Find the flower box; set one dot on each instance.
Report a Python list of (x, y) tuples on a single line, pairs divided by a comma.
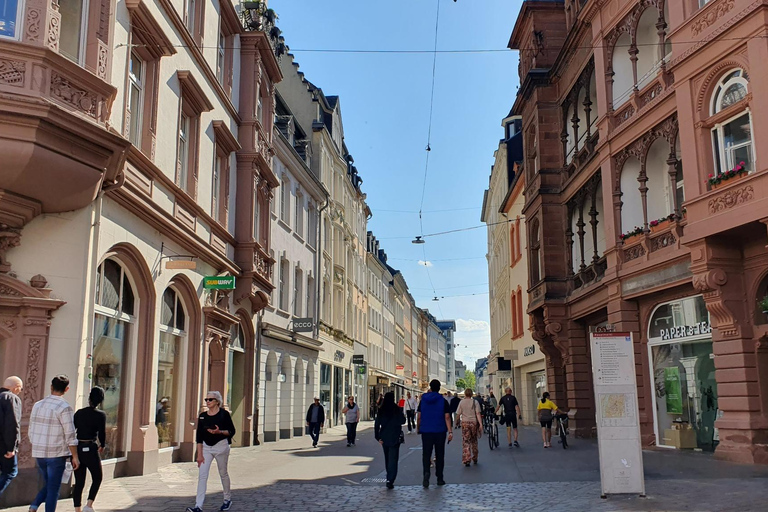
[(661, 226), (722, 179)]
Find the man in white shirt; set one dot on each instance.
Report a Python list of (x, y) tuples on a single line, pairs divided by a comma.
[(52, 433), (411, 404)]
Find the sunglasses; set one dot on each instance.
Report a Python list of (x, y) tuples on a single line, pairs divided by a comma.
[(210, 399)]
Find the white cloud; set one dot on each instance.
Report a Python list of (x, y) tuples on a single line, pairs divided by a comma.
[(472, 325), (426, 263)]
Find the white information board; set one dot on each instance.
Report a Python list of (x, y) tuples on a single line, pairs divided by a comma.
[(618, 423)]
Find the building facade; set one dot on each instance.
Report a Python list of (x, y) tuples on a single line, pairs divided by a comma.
[(448, 328), (658, 184), (122, 222)]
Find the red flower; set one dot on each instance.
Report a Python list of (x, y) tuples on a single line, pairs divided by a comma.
[(741, 164), (711, 175)]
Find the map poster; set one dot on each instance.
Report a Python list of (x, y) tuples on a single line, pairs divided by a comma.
[(672, 390), (618, 424)]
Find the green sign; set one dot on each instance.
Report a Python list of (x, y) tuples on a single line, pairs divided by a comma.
[(219, 283), (362, 369), (672, 390)]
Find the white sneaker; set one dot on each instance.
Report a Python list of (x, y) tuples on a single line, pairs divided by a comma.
[(88, 509)]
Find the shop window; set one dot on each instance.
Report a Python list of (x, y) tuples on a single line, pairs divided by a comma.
[(172, 338), (732, 138), (113, 323)]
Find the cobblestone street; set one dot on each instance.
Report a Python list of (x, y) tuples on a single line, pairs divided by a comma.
[(290, 475)]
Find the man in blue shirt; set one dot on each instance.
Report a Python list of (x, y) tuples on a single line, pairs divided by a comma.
[(433, 422)]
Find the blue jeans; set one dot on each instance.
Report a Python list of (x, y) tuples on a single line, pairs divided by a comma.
[(8, 470), (51, 470)]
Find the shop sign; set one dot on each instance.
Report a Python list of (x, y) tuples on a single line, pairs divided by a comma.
[(684, 331), (358, 359), (362, 369), (219, 282), (303, 325), (672, 390), (339, 356), (529, 351)]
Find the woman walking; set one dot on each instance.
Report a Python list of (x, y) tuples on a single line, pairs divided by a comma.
[(351, 413), (468, 418), (546, 410), (215, 431), (388, 431), (90, 427)]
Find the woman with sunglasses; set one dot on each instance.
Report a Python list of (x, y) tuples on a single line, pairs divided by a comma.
[(215, 431)]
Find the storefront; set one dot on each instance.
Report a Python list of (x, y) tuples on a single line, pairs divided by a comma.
[(336, 380), (530, 378), (685, 389)]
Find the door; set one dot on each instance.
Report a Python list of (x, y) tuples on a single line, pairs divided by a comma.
[(235, 390)]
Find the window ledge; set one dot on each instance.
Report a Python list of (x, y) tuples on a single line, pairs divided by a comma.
[(283, 313), (298, 237), (283, 224)]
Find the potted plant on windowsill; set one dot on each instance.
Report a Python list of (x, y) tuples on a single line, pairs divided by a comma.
[(637, 230), (764, 304), (718, 180), (662, 223)]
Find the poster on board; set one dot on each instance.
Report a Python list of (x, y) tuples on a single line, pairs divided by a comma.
[(618, 423)]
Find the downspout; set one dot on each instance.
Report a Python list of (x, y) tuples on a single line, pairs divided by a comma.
[(257, 376), (318, 278)]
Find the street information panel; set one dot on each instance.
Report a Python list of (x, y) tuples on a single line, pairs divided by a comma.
[(618, 424)]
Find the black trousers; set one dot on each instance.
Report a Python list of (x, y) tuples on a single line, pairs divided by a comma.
[(89, 461), (351, 432), (430, 440), (391, 460), (314, 432), (411, 420)]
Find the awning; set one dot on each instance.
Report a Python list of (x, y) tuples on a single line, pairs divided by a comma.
[(387, 374)]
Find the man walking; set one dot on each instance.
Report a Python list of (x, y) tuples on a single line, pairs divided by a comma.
[(52, 433), (315, 419), (432, 422), (410, 411), (511, 414), (455, 401), (10, 421)]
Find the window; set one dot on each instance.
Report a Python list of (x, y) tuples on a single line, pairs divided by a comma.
[(193, 103), (221, 58), (112, 331), (168, 398), (283, 285), (535, 263), (513, 309), (183, 151), (226, 144), (71, 36), (312, 224), (732, 138), (310, 296), (10, 12), (297, 291), (135, 98), (299, 214), (256, 216), (519, 312), (285, 200)]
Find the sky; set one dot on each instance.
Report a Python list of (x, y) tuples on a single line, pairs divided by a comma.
[(385, 106)]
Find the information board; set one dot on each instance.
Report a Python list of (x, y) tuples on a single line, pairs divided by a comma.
[(618, 424)]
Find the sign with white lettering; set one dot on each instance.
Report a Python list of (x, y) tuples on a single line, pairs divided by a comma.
[(685, 331), (358, 359), (618, 423), (529, 351), (303, 325)]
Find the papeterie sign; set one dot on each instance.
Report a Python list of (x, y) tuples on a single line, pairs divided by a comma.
[(684, 331), (219, 283)]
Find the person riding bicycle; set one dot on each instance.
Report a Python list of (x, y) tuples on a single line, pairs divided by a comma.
[(511, 414), (547, 410), (492, 402)]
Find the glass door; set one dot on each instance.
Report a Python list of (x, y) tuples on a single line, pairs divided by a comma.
[(338, 395)]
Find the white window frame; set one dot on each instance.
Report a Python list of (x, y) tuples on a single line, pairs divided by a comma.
[(83, 34), (138, 82), (185, 123), (256, 216), (299, 214), (221, 56), (298, 292), (285, 200), (724, 155), (17, 24), (189, 15)]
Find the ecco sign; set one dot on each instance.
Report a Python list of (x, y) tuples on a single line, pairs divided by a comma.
[(303, 325), (529, 351)]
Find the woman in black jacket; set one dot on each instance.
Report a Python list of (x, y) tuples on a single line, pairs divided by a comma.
[(387, 430), (91, 426)]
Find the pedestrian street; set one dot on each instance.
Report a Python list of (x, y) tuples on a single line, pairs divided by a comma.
[(290, 475)]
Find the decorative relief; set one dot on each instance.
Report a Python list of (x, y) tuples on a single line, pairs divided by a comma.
[(32, 382), (660, 242), (54, 30), (714, 14), (730, 199), (710, 280), (37, 321), (12, 72), (9, 323), (649, 96), (67, 92), (9, 238), (624, 115), (8, 291), (263, 266), (32, 25), (634, 252), (103, 57)]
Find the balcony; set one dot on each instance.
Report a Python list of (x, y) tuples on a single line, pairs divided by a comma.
[(56, 146), (256, 282), (659, 242)]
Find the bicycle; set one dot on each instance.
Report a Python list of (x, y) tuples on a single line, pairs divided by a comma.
[(562, 429), (491, 428)]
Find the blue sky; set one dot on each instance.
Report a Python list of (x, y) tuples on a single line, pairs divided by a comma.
[(385, 108)]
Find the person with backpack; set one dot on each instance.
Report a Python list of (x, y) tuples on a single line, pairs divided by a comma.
[(468, 416), (546, 410), (387, 429)]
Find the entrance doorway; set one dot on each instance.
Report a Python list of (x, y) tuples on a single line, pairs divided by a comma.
[(537, 385), (236, 380)]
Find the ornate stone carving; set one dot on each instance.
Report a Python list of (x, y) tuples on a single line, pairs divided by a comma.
[(639, 148), (32, 382), (8, 291), (710, 280), (9, 323), (649, 96), (665, 240), (103, 57), (712, 15), (38, 281), (32, 25), (262, 266), (12, 72), (53, 31), (634, 252), (9, 237), (37, 321), (625, 115), (730, 199), (67, 92)]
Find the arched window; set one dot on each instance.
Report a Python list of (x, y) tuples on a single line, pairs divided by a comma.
[(173, 334), (732, 138), (115, 301)]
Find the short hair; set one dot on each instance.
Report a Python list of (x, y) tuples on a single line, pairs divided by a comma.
[(60, 383), (468, 393), (217, 396), (434, 385), (507, 389)]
